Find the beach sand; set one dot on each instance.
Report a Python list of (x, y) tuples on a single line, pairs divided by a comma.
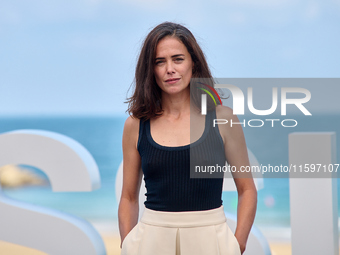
[(112, 243)]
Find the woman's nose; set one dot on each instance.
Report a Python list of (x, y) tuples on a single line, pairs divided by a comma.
[(170, 68)]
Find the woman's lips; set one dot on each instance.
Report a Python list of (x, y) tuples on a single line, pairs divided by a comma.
[(172, 80)]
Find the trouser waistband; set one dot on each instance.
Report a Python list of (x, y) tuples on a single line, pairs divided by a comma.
[(184, 219)]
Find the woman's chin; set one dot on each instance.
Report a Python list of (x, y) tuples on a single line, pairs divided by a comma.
[(176, 91)]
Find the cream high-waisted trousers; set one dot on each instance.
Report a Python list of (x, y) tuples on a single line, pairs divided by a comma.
[(181, 233)]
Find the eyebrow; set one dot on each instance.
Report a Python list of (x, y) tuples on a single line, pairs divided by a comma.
[(173, 56)]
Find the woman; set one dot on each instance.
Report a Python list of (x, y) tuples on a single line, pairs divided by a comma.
[(183, 215)]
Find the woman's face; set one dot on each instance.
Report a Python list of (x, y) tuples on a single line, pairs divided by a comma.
[(172, 66)]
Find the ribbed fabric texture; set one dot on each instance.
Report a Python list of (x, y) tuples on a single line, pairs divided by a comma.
[(167, 171)]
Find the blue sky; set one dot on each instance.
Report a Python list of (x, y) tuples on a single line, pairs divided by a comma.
[(78, 57)]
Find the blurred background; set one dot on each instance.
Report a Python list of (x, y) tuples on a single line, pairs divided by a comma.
[(66, 66)]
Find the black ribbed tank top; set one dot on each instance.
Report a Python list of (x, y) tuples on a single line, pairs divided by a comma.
[(167, 171)]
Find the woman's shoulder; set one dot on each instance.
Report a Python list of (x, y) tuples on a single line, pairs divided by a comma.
[(231, 128), (131, 132), (131, 124), (224, 112), (227, 130)]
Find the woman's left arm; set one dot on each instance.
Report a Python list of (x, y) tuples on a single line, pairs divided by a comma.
[(246, 209), (237, 156)]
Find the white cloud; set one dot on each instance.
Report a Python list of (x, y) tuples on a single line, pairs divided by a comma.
[(265, 4), (290, 53), (151, 5), (237, 18), (49, 11), (102, 41), (312, 11), (8, 15)]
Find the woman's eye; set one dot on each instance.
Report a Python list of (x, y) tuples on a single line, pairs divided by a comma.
[(159, 62), (179, 59)]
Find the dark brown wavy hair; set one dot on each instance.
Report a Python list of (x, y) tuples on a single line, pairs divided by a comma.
[(146, 101)]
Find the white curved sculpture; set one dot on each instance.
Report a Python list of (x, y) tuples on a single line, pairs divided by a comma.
[(70, 167), (314, 197), (63, 159)]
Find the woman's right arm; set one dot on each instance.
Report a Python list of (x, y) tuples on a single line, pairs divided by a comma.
[(132, 177)]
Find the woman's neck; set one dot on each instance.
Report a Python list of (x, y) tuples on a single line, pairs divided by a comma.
[(176, 105)]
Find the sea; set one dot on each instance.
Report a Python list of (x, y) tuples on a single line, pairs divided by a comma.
[(102, 137)]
